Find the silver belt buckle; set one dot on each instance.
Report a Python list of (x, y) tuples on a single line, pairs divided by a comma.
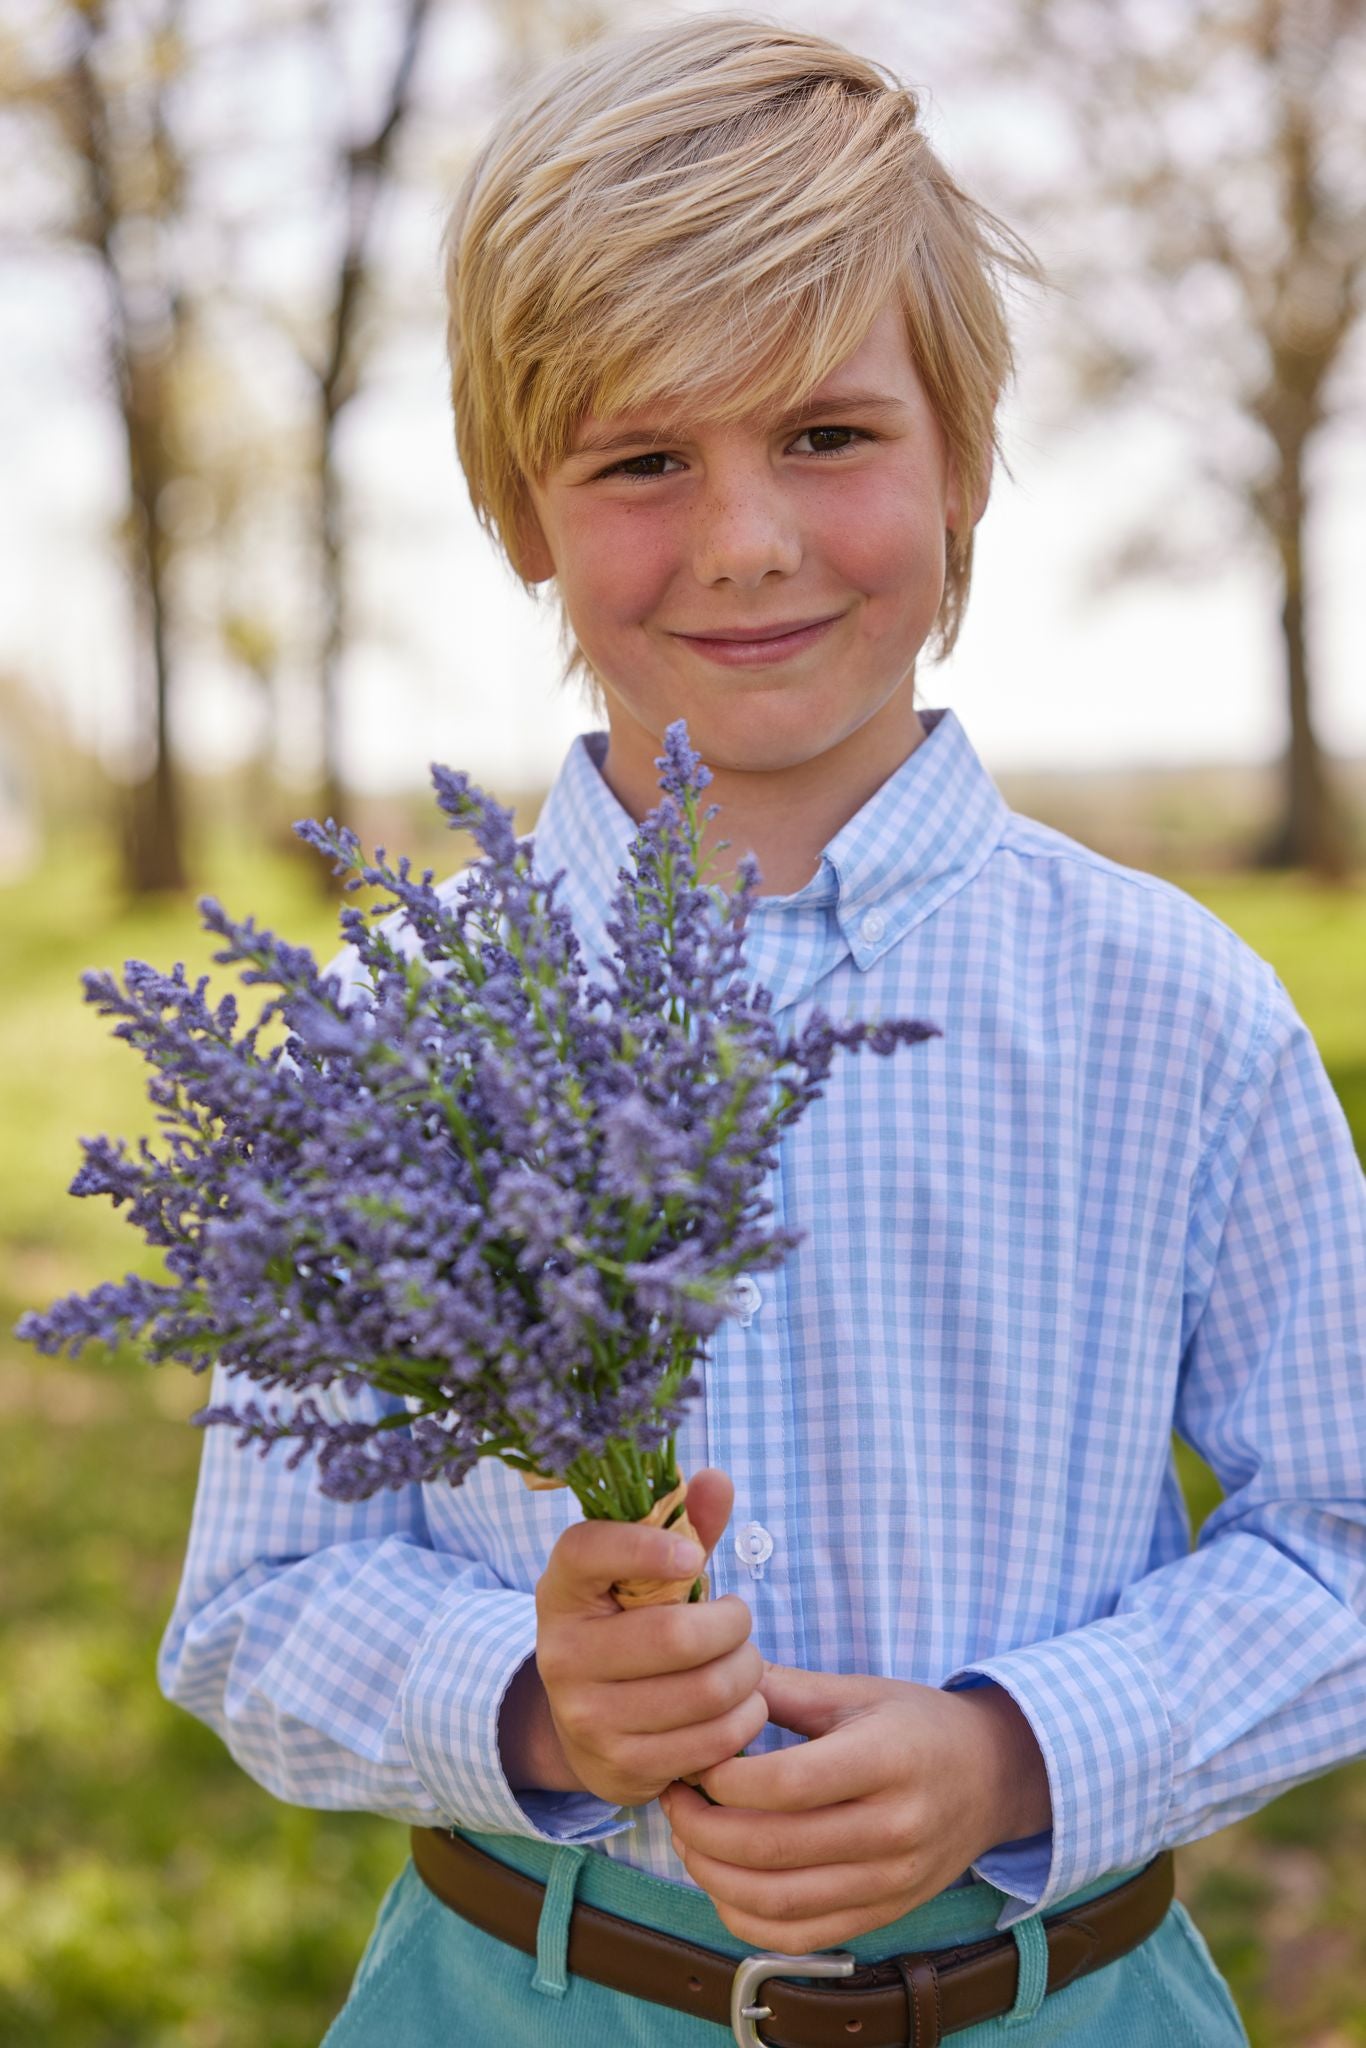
[(755, 1970)]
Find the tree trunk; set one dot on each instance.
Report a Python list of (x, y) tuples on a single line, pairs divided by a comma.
[(334, 630), (152, 852), (140, 342), (367, 167), (153, 855), (1311, 833)]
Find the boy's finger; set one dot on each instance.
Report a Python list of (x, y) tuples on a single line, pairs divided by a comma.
[(823, 1772), (692, 1750), (590, 1557), (775, 1841), (671, 1639), (686, 1698)]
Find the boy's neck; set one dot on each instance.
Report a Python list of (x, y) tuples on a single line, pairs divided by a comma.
[(785, 816)]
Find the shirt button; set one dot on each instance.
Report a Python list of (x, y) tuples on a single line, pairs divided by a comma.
[(745, 1298), (754, 1547), (873, 926)]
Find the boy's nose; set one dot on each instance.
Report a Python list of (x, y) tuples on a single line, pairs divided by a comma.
[(745, 530)]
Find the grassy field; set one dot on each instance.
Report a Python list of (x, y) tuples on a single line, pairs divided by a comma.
[(150, 1895)]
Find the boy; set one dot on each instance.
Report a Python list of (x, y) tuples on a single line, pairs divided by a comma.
[(726, 351)]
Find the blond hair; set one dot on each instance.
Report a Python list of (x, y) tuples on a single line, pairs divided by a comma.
[(721, 207)]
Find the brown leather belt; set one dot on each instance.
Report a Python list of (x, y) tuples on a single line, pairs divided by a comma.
[(908, 2001)]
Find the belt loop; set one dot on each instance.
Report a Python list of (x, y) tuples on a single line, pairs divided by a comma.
[(923, 2013), (552, 1929), (1031, 1943)]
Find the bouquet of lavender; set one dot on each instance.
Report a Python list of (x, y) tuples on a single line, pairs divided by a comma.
[(513, 1200)]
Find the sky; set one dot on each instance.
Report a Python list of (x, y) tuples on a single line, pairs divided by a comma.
[(458, 664)]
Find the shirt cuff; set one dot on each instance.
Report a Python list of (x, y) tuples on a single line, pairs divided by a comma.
[(1020, 1870), (1101, 1720), (477, 1642)]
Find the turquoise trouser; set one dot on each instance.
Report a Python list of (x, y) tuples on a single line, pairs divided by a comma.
[(428, 1979)]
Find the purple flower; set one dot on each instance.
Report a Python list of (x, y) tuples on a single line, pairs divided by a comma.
[(643, 1157), (509, 1200)]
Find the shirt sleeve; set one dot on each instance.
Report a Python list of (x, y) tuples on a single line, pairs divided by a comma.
[(1234, 1673), (344, 1661)]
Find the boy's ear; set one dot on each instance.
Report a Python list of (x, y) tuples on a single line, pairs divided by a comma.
[(530, 552)]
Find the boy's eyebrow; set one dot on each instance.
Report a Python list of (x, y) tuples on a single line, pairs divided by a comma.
[(832, 405)]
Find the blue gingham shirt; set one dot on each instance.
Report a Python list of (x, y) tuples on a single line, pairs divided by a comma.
[(1117, 1197)]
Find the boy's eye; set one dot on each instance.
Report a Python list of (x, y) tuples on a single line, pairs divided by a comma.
[(638, 466), (842, 438), (831, 440)]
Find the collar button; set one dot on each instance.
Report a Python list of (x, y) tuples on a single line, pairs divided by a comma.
[(872, 927)]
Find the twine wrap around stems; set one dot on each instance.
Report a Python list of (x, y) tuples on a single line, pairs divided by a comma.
[(670, 1514)]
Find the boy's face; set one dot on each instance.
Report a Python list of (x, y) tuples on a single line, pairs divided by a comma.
[(683, 542)]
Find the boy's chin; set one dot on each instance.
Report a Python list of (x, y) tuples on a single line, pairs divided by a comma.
[(768, 731), (774, 751), (745, 724)]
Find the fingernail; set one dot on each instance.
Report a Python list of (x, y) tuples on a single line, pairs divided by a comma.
[(685, 1556)]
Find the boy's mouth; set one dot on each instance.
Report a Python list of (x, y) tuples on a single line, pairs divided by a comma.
[(756, 646)]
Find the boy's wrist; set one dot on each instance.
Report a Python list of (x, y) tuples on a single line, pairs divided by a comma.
[(529, 1746), (1022, 1799)]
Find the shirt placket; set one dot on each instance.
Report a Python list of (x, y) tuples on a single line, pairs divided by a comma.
[(748, 1401), (754, 1426)]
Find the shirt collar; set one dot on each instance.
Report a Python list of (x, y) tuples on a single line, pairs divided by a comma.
[(918, 839)]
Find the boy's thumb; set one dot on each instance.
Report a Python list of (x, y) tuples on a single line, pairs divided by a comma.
[(711, 1496)]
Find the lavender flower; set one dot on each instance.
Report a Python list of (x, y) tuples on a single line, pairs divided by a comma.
[(511, 1200)]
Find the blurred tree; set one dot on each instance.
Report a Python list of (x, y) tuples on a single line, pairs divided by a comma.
[(96, 82), (97, 88), (365, 168), (1205, 215), (148, 142), (362, 303)]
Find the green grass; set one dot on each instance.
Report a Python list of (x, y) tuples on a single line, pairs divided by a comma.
[(151, 1896)]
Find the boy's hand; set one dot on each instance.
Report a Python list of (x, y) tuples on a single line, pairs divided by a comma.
[(903, 1787), (643, 1696)]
